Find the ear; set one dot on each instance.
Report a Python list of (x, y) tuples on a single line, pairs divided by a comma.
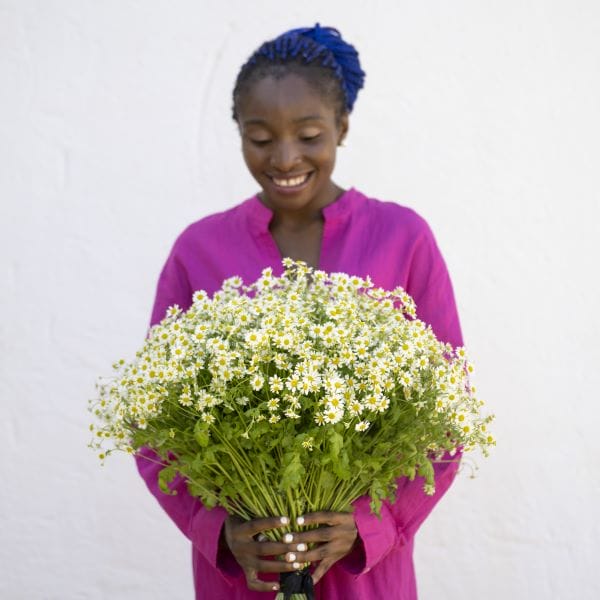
[(343, 126)]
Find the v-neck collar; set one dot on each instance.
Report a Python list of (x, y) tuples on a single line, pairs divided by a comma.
[(259, 215)]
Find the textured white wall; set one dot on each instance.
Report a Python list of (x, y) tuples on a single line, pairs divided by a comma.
[(115, 133)]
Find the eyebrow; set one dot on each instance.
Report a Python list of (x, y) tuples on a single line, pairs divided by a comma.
[(299, 120)]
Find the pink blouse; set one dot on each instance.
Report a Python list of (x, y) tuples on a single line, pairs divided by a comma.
[(361, 236)]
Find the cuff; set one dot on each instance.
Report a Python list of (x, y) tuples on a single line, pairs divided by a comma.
[(376, 537), (208, 539)]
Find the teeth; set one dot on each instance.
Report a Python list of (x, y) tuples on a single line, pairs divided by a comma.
[(291, 182)]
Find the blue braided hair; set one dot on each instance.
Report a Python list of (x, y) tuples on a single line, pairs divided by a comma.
[(318, 54)]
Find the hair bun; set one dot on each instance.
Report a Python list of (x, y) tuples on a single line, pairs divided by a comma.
[(345, 55)]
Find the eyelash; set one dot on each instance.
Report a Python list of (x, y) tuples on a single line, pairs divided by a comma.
[(307, 140)]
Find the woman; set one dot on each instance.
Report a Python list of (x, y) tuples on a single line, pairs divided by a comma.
[(291, 103)]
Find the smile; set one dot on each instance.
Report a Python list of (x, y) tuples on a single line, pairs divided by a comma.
[(291, 183)]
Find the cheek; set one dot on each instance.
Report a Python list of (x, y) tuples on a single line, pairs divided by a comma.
[(325, 156), (252, 158)]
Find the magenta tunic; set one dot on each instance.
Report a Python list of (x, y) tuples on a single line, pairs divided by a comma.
[(361, 236)]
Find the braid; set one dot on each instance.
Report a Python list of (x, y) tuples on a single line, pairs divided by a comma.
[(318, 54)]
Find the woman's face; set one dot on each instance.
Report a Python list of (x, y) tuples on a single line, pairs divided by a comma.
[(289, 140)]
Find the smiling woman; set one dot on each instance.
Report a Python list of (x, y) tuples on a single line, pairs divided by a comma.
[(291, 102), (289, 140)]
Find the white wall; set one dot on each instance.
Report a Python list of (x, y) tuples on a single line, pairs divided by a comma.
[(115, 133)]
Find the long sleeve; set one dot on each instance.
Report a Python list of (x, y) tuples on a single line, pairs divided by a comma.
[(414, 505), (429, 284), (398, 522), (200, 525)]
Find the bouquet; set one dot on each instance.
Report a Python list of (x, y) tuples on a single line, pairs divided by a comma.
[(294, 394)]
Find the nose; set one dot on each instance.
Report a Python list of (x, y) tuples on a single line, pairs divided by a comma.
[(285, 156)]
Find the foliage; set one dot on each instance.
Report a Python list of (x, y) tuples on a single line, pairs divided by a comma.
[(294, 394)]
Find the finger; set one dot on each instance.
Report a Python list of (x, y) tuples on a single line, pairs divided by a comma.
[(271, 548), (335, 549), (324, 518), (321, 569), (314, 555), (258, 585), (251, 528), (322, 535), (275, 566), (328, 533)]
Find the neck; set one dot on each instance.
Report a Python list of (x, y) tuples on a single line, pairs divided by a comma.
[(308, 216), (294, 221)]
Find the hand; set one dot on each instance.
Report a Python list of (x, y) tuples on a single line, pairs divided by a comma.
[(334, 538), (240, 537)]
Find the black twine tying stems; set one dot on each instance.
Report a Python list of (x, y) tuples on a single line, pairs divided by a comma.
[(297, 582)]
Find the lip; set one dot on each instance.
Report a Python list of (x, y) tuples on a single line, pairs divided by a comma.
[(291, 189)]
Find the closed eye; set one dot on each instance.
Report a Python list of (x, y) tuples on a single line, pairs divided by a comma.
[(306, 139)]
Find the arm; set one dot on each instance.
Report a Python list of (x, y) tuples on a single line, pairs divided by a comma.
[(429, 284), (399, 521), (203, 527), (200, 525)]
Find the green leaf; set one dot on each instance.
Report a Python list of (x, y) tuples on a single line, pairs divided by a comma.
[(426, 471), (165, 477), (161, 437), (410, 471), (201, 434), (336, 442), (209, 498), (326, 481), (292, 473), (341, 466)]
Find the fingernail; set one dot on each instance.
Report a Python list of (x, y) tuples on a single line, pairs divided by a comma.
[(275, 588), (284, 521), (296, 565), (290, 556), (262, 537), (300, 521), (288, 538), (301, 547)]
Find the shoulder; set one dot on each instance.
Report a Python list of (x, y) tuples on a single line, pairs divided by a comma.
[(392, 217), (209, 230)]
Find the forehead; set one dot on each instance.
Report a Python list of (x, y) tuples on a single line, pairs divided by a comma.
[(287, 99)]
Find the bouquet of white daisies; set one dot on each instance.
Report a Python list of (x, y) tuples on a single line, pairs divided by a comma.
[(294, 394)]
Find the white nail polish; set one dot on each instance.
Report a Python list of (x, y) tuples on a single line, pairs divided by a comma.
[(284, 521), (290, 557), (288, 538), (296, 565), (262, 537), (300, 521), (301, 548), (275, 588)]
